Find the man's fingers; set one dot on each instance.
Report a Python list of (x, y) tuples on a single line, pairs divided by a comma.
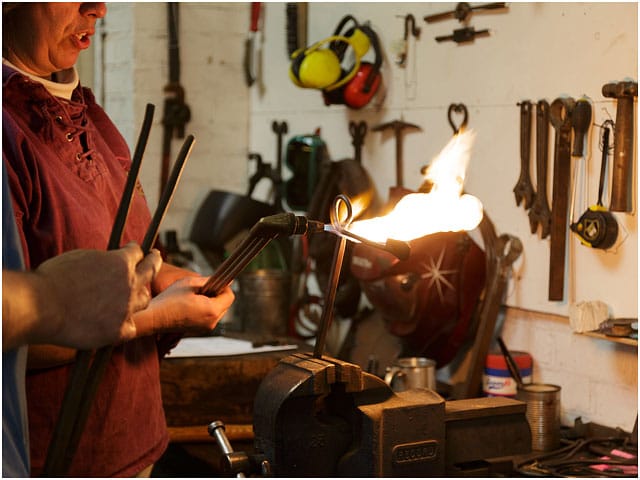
[(149, 267), (146, 270), (132, 252), (128, 330)]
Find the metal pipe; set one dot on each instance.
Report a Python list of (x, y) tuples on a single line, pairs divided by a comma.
[(216, 430), (233, 265)]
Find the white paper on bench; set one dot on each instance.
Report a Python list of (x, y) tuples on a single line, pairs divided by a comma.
[(220, 346)]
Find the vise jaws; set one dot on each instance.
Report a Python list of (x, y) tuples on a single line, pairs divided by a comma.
[(323, 417)]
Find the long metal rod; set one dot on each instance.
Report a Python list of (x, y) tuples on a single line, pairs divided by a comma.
[(83, 400), (167, 194), (327, 311), (132, 179), (72, 398), (512, 366), (398, 248), (103, 355)]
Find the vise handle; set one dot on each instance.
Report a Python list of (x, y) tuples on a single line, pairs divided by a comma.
[(237, 462)]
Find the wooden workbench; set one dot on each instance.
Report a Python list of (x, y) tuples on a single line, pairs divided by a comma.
[(199, 390)]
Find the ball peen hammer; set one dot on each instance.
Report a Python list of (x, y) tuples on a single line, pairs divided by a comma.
[(622, 171)]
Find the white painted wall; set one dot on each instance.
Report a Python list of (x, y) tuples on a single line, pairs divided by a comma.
[(536, 50), (136, 71), (599, 378), (540, 50)]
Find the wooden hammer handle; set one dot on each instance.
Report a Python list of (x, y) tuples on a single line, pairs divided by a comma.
[(622, 169)]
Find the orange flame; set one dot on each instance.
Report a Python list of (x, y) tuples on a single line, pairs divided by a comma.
[(444, 209)]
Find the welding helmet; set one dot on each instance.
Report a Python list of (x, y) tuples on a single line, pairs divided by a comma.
[(429, 299)]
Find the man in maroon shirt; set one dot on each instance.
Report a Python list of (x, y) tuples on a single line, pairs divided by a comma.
[(67, 165)]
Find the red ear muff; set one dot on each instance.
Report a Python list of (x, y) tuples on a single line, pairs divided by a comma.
[(359, 91)]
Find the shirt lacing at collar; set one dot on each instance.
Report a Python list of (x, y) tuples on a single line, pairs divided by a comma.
[(70, 115)]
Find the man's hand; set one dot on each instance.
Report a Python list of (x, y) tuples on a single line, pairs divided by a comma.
[(81, 299), (180, 308)]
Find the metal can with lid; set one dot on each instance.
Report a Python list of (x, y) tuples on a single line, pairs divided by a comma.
[(497, 381)]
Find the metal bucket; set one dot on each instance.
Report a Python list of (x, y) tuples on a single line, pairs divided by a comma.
[(543, 414), (263, 301)]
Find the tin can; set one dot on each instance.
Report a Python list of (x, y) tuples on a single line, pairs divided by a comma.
[(543, 414), (497, 381)]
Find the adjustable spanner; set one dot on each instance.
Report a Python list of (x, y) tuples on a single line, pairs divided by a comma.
[(540, 213)]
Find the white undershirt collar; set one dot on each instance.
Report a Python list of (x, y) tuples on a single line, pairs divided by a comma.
[(66, 81)]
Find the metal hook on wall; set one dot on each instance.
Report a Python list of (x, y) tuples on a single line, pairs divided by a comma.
[(458, 108), (415, 31), (409, 28)]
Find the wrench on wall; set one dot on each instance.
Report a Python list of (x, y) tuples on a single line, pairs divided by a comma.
[(540, 213), (524, 188), (560, 113)]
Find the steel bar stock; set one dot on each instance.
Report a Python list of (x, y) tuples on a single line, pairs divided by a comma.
[(83, 385), (72, 398)]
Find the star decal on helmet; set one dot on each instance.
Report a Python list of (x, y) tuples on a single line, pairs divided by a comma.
[(436, 275)]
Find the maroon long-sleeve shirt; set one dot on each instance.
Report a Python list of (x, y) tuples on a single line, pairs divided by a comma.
[(67, 165)]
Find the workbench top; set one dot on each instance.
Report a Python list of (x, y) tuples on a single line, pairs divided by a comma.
[(199, 390)]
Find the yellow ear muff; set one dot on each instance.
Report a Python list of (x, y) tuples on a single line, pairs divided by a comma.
[(320, 68), (360, 42)]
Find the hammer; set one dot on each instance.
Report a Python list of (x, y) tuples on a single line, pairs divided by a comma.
[(397, 126), (622, 172)]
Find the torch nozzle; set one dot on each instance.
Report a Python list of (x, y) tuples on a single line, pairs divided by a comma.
[(285, 224), (398, 248)]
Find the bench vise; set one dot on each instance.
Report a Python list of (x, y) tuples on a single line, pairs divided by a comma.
[(323, 417)]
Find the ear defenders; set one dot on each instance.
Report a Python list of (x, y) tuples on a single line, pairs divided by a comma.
[(360, 40), (320, 68), (361, 87)]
